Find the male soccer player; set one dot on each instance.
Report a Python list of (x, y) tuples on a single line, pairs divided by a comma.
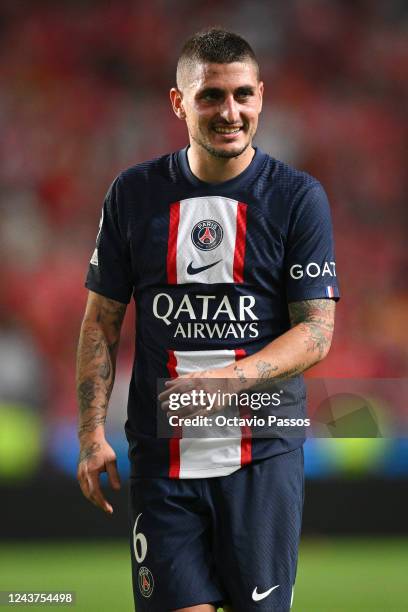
[(229, 256)]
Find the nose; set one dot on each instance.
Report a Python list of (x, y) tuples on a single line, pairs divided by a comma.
[(229, 110)]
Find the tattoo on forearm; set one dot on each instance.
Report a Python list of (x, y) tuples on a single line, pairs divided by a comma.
[(91, 424), (297, 369), (267, 372), (89, 451), (265, 369), (86, 394), (240, 374), (105, 369), (316, 320), (97, 350)]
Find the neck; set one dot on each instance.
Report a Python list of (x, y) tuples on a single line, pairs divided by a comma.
[(212, 169)]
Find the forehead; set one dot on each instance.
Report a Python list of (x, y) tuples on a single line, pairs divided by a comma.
[(223, 76)]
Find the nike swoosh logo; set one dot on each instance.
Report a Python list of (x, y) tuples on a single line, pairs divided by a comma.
[(258, 596), (191, 270)]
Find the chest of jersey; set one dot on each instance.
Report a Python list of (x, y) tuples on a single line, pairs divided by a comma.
[(208, 240)]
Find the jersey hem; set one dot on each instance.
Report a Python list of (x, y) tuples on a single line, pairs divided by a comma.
[(210, 472), (330, 292), (139, 471)]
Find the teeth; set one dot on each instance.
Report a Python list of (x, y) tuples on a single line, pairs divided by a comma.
[(224, 130)]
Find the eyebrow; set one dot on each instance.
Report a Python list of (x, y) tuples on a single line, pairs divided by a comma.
[(217, 91)]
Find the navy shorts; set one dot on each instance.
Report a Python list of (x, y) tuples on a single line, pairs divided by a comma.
[(230, 539)]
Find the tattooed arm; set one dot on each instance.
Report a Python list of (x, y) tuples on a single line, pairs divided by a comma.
[(96, 360), (307, 342)]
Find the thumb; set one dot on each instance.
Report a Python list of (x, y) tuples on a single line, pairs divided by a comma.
[(113, 474)]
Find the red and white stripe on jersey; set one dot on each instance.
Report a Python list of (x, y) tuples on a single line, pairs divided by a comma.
[(246, 441), (206, 457), (230, 253)]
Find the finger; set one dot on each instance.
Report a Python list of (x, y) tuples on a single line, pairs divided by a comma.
[(164, 395), (165, 406), (183, 386), (83, 483), (113, 474), (176, 387), (185, 411), (83, 478), (171, 382), (202, 412), (167, 392), (95, 494)]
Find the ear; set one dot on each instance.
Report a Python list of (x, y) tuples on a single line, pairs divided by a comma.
[(176, 99), (261, 91)]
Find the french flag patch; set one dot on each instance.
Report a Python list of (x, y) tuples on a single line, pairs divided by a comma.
[(329, 292)]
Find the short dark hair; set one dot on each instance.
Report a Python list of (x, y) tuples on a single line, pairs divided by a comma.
[(214, 46)]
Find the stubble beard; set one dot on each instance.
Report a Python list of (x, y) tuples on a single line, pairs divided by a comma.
[(220, 153)]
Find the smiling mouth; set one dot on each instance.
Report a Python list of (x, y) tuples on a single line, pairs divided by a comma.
[(227, 130)]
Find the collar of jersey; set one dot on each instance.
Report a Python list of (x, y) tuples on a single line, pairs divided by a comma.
[(250, 171)]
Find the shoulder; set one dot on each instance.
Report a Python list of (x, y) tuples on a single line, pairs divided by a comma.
[(284, 192), (135, 188), (163, 168), (135, 182), (289, 181)]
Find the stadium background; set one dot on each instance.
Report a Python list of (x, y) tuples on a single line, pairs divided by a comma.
[(83, 94)]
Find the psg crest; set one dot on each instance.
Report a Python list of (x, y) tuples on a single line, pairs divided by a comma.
[(146, 582), (207, 235)]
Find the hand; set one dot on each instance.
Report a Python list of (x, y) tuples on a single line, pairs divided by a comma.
[(209, 383), (97, 456)]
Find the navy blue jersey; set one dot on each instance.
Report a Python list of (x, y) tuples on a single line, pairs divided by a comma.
[(212, 268)]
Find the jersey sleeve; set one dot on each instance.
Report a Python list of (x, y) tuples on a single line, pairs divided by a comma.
[(110, 272), (310, 262)]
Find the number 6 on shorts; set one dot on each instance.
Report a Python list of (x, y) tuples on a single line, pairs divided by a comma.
[(141, 539)]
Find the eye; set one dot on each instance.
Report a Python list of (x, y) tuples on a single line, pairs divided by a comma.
[(211, 94), (244, 94)]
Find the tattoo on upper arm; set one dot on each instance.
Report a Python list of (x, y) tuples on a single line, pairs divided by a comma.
[(316, 320), (111, 313), (311, 309)]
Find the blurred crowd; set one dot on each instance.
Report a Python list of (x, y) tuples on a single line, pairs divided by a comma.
[(84, 94)]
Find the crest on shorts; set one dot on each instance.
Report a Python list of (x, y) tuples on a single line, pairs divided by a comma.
[(207, 235), (146, 582)]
